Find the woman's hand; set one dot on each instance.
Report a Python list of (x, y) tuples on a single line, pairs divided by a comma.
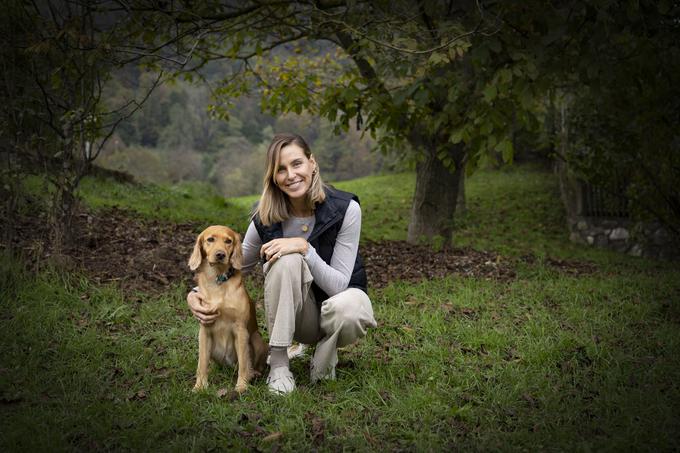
[(276, 248), (205, 315)]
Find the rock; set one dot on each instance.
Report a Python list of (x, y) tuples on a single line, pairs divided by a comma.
[(591, 240), (601, 240), (619, 234), (661, 237), (582, 225), (575, 237), (635, 250)]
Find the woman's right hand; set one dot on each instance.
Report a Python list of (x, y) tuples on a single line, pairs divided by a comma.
[(205, 315)]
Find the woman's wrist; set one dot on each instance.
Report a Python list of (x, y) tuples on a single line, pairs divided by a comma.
[(305, 247)]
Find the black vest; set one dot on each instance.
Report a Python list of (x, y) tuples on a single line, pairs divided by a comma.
[(329, 216)]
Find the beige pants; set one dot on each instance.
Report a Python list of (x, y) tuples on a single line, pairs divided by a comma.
[(293, 314)]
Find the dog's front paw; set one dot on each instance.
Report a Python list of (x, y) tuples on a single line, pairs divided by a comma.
[(201, 384), (241, 387)]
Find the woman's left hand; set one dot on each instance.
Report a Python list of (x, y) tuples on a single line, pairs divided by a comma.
[(276, 248)]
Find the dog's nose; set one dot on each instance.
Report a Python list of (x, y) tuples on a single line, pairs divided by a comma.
[(220, 255)]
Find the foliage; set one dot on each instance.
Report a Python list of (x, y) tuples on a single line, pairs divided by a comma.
[(456, 81), (185, 139), (623, 128), (56, 59)]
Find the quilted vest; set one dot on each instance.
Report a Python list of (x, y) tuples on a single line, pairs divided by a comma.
[(329, 216)]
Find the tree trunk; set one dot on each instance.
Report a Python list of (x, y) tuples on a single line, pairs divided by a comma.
[(436, 194), (461, 204), (64, 206)]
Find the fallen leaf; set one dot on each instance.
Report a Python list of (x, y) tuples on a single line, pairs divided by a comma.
[(272, 437)]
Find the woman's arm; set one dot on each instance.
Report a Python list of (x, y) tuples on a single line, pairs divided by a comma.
[(251, 248), (335, 278)]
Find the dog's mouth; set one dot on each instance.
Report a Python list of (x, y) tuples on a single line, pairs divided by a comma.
[(218, 260)]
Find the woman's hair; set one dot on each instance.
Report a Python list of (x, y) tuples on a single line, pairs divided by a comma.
[(274, 205)]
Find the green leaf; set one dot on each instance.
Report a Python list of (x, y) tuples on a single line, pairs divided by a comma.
[(507, 150), (456, 136), (489, 93), (437, 58)]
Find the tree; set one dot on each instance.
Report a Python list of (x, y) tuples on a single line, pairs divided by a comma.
[(56, 58), (428, 75)]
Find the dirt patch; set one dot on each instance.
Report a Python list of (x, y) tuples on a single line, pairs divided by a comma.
[(117, 246), (398, 260), (148, 255)]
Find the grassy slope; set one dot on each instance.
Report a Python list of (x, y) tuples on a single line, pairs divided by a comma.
[(547, 361)]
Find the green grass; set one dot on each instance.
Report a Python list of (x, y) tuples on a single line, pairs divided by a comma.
[(195, 202), (547, 361)]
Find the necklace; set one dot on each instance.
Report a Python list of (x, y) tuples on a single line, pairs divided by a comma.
[(305, 226)]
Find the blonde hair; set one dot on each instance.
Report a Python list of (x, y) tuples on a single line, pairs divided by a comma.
[(274, 205)]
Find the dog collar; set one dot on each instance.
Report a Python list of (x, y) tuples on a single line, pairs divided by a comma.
[(221, 278)]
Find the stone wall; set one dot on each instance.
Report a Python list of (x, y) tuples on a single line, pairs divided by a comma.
[(648, 239), (635, 238)]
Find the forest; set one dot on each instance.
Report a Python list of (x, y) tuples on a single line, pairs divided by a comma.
[(174, 138)]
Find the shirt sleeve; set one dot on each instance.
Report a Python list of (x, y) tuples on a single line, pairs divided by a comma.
[(251, 248), (335, 278)]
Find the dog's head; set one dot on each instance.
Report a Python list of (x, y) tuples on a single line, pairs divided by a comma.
[(220, 245)]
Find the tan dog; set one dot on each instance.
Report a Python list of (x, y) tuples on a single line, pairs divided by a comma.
[(233, 337)]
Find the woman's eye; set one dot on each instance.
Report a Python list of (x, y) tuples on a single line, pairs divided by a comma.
[(211, 239)]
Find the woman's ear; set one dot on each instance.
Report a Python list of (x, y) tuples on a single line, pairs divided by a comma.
[(197, 254), (236, 259)]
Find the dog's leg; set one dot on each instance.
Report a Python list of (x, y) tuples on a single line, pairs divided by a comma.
[(204, 352), (243, 353), (260, 351)]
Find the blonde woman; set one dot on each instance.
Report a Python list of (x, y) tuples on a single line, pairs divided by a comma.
[(307, 236)]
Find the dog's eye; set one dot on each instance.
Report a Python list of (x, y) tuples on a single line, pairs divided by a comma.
[(228, 241), (211, 239)]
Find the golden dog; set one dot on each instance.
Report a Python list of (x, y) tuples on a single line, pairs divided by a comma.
[(234, 336)]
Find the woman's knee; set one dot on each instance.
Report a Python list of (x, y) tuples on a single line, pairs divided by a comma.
[(350, 312), (287, 265)]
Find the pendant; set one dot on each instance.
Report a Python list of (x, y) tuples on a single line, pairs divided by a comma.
[(305, 228)]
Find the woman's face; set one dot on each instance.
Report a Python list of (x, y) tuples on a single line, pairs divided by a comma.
[(294, 173)]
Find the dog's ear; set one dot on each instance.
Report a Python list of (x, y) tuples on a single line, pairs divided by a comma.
[(237, 254), (197, 254)]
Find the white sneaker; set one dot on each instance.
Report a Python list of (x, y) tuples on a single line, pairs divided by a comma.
[(280, 381)]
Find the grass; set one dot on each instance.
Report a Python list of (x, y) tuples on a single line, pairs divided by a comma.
[(547, 361), (196, 202)]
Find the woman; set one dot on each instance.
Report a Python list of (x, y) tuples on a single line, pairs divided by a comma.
[(307, 235)]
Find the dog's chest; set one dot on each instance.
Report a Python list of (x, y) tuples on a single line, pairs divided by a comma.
[(230, 307)]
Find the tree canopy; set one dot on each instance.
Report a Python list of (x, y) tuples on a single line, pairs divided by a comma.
[(455, 81)]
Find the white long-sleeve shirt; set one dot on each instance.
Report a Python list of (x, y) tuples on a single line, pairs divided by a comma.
[(331, 279)]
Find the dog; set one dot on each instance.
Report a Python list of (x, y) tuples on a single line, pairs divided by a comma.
[(234, 336)]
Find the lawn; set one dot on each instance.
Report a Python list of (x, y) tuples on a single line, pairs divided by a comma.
[(544, 361)]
